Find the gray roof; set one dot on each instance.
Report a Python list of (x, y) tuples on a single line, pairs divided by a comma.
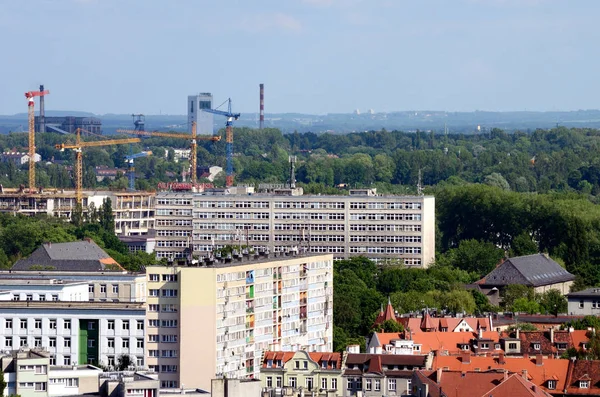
[(532, 270), (78, 256), (588, 293)]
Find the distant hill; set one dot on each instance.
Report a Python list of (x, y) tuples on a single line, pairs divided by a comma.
[(425, 120)]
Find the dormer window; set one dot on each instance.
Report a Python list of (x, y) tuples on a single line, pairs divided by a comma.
[(585, 346), (584, 384), (561, 346), (269, 363), (465, 347), (324, 364), (497, 346), (551, 384), (444, 329), (536, 346), (485, 345)]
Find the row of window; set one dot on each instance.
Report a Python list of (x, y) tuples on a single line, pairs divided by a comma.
[(231, 215), (29, 297), (114, 287), (153, 338), (335, 216), (174, 201), (173, 222), (309, 382), (162, 323), (309, 205), (385, 228), (385, 217), (165, 277), (166, 292), (66, 342), (385, 239), (231, 226), (312, 227), (162, 353), (372, 384), (52, 324), (231, 204), (173, 212), (385, 206), (385, 250)]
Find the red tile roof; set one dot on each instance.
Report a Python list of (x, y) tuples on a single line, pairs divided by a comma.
[(380, 364), (550, 369), (586, 370), (415, 324), (516, 386), (332, 360)]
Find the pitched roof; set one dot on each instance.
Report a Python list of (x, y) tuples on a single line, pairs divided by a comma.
[(530, 338), (275, 356), (448, 342), (516, 386), (332, 361), (533, 270), (584, 370), (387, 314), (380, 364), (77, 256), (473, 384), (551, 369), (438, 323)]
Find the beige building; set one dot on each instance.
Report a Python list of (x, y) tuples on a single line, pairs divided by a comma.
[(362, 223), (302, 373), (218, 319)]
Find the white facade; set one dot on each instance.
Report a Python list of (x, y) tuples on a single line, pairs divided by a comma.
[(378, 227), (45, 290), (63, 329), (204, 120)]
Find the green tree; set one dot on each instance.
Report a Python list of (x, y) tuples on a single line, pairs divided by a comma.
[(107, 218), (389, 326), (2, 382), (474, 256), (554, 302), (516, 291), (123, 362), (524, 305)]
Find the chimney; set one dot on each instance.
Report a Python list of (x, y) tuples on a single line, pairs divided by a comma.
[(465, 357), (517, 332), (552, 335), (534, 388), (501, 359), (439, 375), (480, 333), (539, 359), (262, 105), (524, 373)]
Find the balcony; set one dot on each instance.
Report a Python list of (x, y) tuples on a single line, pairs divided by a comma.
[(249, 310)]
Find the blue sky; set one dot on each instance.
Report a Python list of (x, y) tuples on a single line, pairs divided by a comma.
[(314, 56)]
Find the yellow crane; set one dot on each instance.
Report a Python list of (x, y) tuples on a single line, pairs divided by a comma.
[(31, 121), (193, 147), (77, 146)]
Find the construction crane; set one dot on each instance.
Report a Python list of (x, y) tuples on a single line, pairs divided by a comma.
[(193, 147), (31, 119), (78, 146), (231, 117), (131, 172)]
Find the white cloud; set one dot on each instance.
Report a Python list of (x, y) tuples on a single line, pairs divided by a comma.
[(271, 21)]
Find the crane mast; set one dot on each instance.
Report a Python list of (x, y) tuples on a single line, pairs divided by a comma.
[(31, 121)]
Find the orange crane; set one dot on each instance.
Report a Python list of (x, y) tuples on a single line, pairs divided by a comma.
[(79, 162), (31, 119), (193, 147)]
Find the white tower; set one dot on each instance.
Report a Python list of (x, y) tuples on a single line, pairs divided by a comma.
[(204, 120)]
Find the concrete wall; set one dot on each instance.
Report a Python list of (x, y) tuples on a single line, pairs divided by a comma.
[(234, 388)]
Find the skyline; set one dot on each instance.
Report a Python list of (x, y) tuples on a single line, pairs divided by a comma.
[(314, 56)]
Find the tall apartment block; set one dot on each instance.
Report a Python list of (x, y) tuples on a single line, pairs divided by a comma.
[(219, 318), (204, 120), (362, 223)]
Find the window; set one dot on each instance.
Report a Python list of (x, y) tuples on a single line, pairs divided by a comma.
[(536, 346), (91, 326), (485, 345), (140, 325), (52, 360), (153, 338), (153, 323), (54, 297), (103, 288), (37, 342), (279, 381), (111, 361), (91, 288), (111, 324), (324, 383), (8, 323), (153, 308), (67, 342), (67, 360), (551, 384), (581, 304), (153, 292), (111, 343), (377, 384), (23, 324), (23, 342), (140, 343), (349, 384), (8, 341), (115, 289), (40, 369), (52, 342), (584, 384), (391, 384), (52, 323), (125, 343), (293, 381), (305, 364), (368, 384), (42, 298), (29, 297), (269, 381), (67, 324), (38, 323), (309, 383), (40, 386), (139, 361), (153, 277), (297, 364), (125, 324), (333, 383), (152, 353), (512, 346), (91, 343)]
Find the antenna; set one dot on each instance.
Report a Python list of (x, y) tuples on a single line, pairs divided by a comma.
[(292, 160), (419, 185)]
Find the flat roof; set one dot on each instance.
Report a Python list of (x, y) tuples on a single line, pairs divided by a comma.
[(73, 305), (248, 261), (39, 274), (35, 281)]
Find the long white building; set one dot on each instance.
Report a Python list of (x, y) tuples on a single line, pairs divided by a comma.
[(362, 223)]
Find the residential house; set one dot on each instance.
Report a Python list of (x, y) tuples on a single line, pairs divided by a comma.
[(373, 375), (473, 384), (19, 158), (545, 342), (547, 373), (503, 322), (301, 371), (585, 303), (538, 271), (583, 378)]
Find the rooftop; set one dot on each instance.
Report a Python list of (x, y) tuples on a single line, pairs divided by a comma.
[(588, 293), (242, 260), (533, 270), (85, 305)]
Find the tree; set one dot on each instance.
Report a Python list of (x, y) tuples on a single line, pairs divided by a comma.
[(389, 326), (553, 301), (123, 362), (497, 180), (474, 256), (2, 382), (107, 218), (524, 305), (516, 291), (522, 327)]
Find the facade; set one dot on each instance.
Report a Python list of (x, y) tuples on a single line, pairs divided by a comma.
[(239, 310), (301, 372), (378, 227), (18, 158), (75, 332), (42, 289), (584, 303), (204, 120), (538, 271), (128, 384), (374, 375)]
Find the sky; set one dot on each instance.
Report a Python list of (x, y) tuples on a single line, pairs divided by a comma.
[(314, 56)]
